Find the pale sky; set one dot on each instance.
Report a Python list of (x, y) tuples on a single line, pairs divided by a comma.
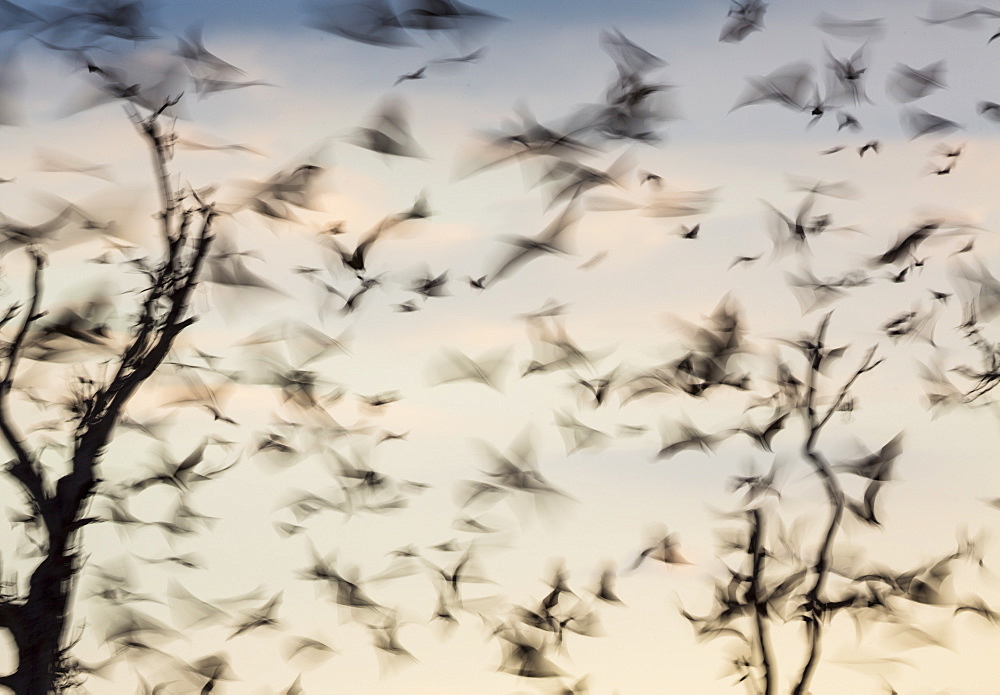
[(627, 307)]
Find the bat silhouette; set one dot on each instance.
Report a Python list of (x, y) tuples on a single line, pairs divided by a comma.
[(743, 19)]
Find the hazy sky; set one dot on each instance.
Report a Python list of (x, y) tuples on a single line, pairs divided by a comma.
[(632, 286)]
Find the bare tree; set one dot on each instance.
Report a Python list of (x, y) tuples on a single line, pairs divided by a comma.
[(781, 578), (36, 616)]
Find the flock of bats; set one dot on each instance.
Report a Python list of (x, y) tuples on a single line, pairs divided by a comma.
[(287, 355)]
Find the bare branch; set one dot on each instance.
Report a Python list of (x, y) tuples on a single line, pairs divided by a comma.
[(96, 430), (125, 383), (23, 470), (150, 129), (813, 604), (174, 281), (815, 362), (758, 597), (866, 366)]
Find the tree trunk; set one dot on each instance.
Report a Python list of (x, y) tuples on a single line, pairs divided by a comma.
[(38, 632)]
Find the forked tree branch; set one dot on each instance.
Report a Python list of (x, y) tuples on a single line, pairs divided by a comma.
[(113, 398), (173, 282), (866, 366), (161, 320), (145, 363), (815, 364), (813, 604)]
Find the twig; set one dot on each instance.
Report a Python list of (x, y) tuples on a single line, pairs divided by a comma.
[(866, 366)]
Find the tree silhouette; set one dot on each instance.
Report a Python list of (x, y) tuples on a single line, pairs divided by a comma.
[(58, 507)]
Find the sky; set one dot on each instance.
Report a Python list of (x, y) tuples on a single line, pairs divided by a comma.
[(633, 291)]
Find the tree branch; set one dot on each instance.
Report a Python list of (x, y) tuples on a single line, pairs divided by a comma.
[(166, 275), (815, 362), (173, 283), (96, 430), (813, 604), (866, 366), (150, 129), (124, 385), (160, 321), (23, 470), (759, 599)]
